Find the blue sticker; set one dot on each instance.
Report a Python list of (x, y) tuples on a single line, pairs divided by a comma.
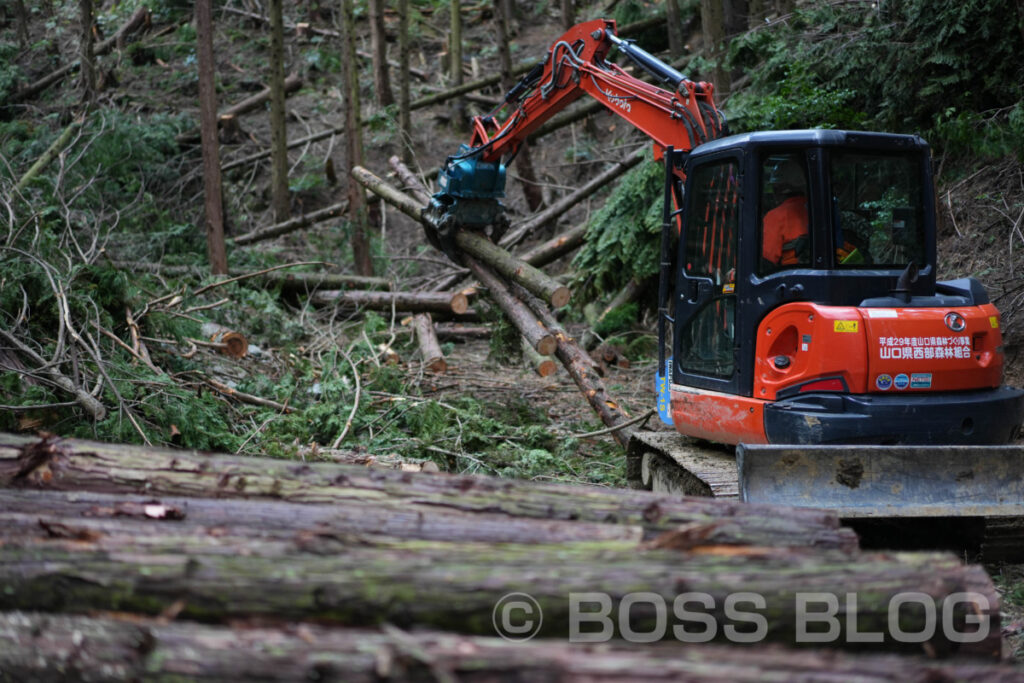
[(901, 381), (921, 380), (664, 393), (883, 382)]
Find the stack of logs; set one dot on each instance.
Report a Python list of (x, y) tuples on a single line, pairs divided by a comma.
[(128, 562)]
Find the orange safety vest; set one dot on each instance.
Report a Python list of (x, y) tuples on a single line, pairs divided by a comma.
[(783, 225)]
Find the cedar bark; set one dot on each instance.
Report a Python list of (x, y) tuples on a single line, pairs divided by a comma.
[(212, 187), (280, 199), (675, 29), (379, 56), (430, 348), (404, 90), (42, 647), (87, 57), (519, 315), (358, 216), (354, 581), (527, 174), (712, 20), (535, 281), (455, 55), (412, 302), (79, 465)]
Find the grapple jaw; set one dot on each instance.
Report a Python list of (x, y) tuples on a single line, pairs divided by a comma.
[(468, 199)]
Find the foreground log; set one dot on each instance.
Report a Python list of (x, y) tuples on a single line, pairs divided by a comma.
[(360, 582), (42, 647), (300, 282), (411, 302), (430, 348), (541, 364), (533, 331), (110, 521), (77, 465)]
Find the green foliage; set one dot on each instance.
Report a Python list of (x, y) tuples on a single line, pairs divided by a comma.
[(623, 237), (917, 66), (619, 319)]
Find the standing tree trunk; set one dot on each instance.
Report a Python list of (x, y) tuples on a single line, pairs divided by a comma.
[(87, 57), (208, 130), (379, 53), (713, 21), (278, 132), (404, 121), (527, 176), (22, 12), (568, 13), (354, 143), (455, 67), (675, 29)]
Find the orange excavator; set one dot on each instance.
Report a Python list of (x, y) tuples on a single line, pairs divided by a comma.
[(800, 317)]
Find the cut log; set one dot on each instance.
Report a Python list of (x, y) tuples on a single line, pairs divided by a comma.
[(292, 83), (581, 368), (410, 180), (231, 343), (503, 263), (42, 647), (292, 224), (457, 331), (541, 364), (355, 581), (556, 247), (50, 154), (518, 314), (77, 465), (430, 348), (410, 302), (112, 521), (525, 229)]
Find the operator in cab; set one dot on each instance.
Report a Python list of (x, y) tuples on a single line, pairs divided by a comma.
[(785, 240)]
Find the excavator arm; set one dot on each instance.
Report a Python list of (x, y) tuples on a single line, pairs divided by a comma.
[(679, 114)]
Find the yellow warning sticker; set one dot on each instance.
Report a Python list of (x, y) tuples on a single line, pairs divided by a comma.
[(728, 288), (845, 325), (994, 322)]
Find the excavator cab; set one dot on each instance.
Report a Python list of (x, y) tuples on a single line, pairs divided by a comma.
[(805, 307)]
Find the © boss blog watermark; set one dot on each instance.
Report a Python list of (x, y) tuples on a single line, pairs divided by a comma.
[(696, 617)]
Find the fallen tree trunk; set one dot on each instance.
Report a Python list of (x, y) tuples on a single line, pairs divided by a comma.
[(292, 83), (136, 21), (556, 247), (412, 302), (77, 465), (360, 582), (525, 229), (532, 330), (43, 647), (109, 521), (430, 348), (301, 282), (581, 368), (292, 224), (541, 364), (507, 265)]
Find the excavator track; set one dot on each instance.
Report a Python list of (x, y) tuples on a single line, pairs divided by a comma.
[(953, 509)]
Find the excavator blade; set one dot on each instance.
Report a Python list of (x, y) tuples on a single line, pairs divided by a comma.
[(886, 481)]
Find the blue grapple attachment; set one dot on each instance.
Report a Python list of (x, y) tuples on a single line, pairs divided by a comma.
[(468, 198)]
